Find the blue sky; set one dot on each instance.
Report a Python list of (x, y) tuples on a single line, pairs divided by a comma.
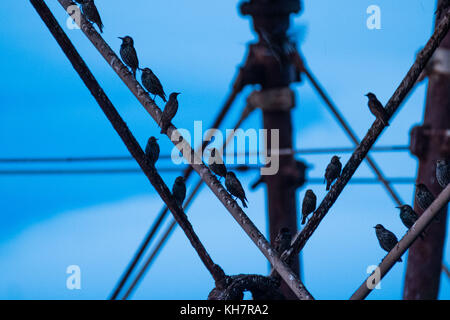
[(97, 222)]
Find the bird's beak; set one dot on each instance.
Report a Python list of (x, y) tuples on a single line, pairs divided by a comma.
[(366, 95), (375, 227), (120, 38), (399, 207)]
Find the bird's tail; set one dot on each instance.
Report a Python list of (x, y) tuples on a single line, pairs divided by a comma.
[(304, 220), (328, 185), (163, 96), (134, 73), (243, 203), (399, 260)]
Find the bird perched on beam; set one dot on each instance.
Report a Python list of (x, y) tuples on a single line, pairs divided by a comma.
[(91, 13), (152, 151), (333, 171), (179, 191), (216, 164), (408, 216), (377, 109), (152, 84), (386, 238), (170, 110), (443, 172), (424, 196), (309, 204), (234, 187), (128, 54)]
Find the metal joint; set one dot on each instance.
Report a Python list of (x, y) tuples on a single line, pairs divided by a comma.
[(276, 99), (420, 137)]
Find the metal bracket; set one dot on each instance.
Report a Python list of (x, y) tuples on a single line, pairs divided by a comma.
[(277, 99), (420, 137)]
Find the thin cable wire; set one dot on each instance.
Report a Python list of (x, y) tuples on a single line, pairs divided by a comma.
[(394, 148)]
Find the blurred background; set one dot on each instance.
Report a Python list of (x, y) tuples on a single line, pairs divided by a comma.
[(97, 221)]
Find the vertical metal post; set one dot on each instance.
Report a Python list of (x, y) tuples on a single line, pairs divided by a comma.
[(269, 65), (430, 142)]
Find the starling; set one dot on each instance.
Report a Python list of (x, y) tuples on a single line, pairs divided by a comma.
[(234, 187), (408, 216), (386, 238), (377, 108), (91, 13), (443, 172), (179, 191), (283, 240), (216, 164), (424, 196), (152, 84), (309, 204), (333, 171), (152, 151), (169, 111), (128, 54)]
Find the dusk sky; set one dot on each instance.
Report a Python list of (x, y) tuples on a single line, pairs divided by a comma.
[(48, 222)]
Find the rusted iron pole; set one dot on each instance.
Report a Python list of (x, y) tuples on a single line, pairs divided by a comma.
[(430, 142), (269, 65)]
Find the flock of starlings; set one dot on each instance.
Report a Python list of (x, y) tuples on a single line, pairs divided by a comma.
[(151, 83)]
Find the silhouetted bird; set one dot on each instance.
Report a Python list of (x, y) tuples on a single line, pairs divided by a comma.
[(386, 238), (128, 54), (377, 108), (152, 151), (283, 240), (234, 187), (309, 204), (179, 191), (333, 171), (443, 172), (91, 13), (408, 216), (152, 84), (424, 196), (170, 110), (216, 164)]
